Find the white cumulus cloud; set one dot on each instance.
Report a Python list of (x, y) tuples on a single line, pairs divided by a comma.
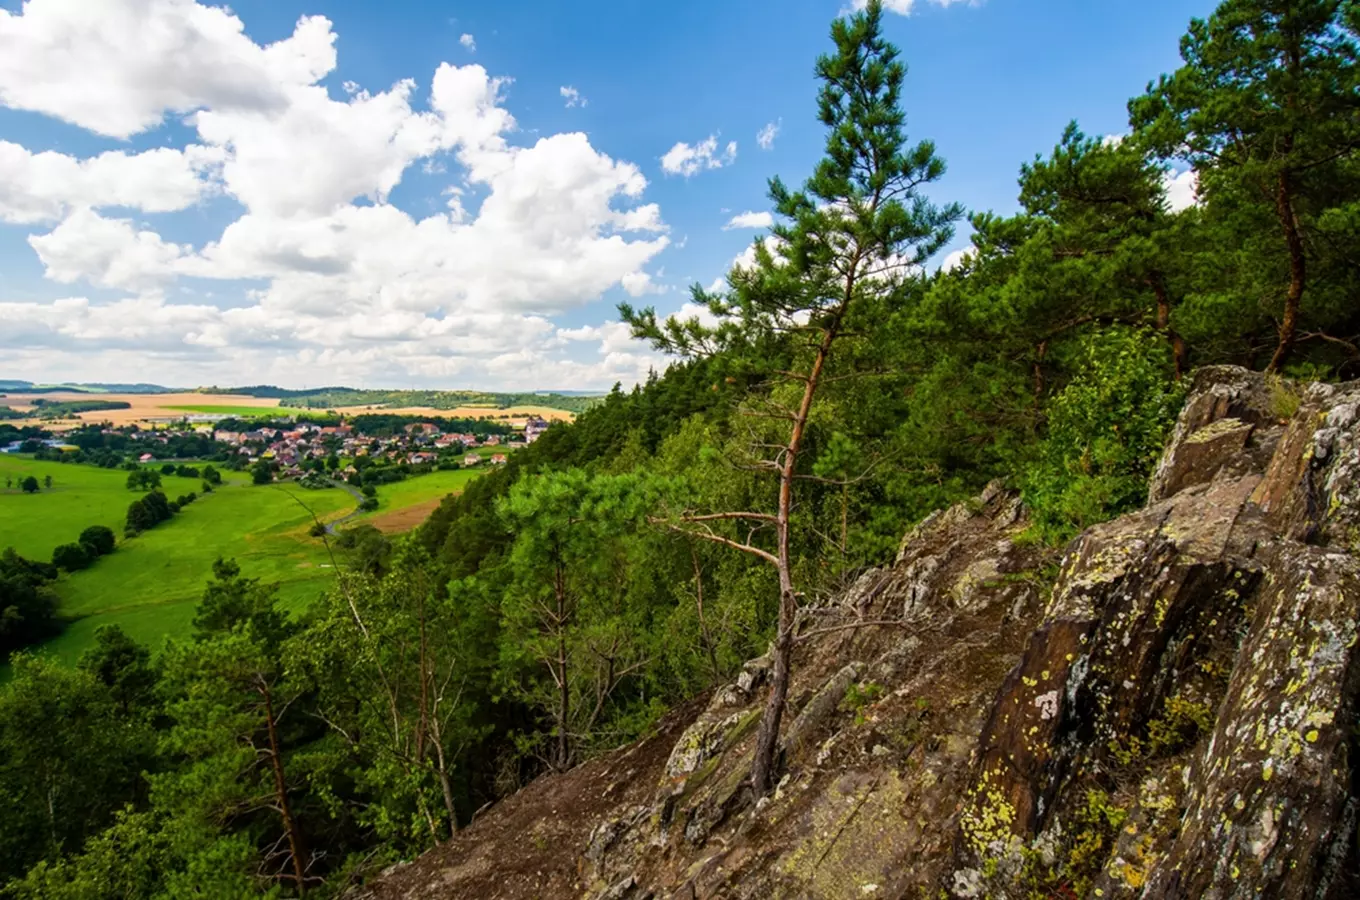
[(469, 43), (691, 159), (750, 220), (765, 137), (116, 67), (1182, 189), (572, 96), (904, 7), (319, 277), (42, 187)]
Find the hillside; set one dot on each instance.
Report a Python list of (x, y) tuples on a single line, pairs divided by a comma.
[(1027, 571), (1166, 708)]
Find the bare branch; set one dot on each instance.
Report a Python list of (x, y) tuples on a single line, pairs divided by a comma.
[(714, 517), (864, 623), (709, 535)]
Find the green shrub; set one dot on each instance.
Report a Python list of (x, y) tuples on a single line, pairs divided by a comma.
[(1105, 434), (71, 557), (99, 538)]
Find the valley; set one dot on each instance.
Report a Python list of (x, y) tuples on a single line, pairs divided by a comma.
[(150, 585)]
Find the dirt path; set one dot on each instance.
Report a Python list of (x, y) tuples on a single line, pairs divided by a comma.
[(353, 492)]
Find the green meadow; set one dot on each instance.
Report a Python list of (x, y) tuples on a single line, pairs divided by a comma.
[(405, 504), (35, 524), (246, 412), (151, 584)]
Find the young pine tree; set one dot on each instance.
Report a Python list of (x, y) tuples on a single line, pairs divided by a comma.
[(1267, 110), (846, 242)]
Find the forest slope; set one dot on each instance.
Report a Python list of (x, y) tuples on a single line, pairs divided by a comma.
[(1165, 709)]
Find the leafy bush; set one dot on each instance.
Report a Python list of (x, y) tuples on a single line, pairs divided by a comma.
[(148, 512), (140, 479), (98, 538), (71, 557), (1105, 433)]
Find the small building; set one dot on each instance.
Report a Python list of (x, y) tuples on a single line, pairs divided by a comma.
[(145, 457), (498, 459), (471, 459)]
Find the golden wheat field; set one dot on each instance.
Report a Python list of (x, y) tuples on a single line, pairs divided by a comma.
[(153, 408)]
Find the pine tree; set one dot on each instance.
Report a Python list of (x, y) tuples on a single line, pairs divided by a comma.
[(1267, 110), (846, 243)]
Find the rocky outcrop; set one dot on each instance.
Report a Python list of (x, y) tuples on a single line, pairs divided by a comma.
[(1165, 709)]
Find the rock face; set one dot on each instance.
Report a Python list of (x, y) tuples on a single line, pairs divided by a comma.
[(1166, 709)]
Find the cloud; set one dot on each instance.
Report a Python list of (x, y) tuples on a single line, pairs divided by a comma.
[(765, 137), (110, 253), (684, 159), (572, 96), (904, 7), (957, 258), (43, 187), (1182, 189), (319, 276), (750, 220), (469, 43), (71, 60)]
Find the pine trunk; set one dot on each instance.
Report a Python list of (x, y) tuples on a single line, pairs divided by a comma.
[(1284, 207), (290, 825), (767, 738)]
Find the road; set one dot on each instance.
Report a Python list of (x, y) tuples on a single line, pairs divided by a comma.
[(353, 492)]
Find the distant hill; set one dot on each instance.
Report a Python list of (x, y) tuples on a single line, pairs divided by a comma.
[(336, 397), (15, 386)]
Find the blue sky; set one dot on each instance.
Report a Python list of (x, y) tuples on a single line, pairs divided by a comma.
[(255, 216)]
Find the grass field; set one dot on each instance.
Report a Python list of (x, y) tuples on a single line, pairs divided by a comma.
[(245, 412), (151, 584), (511, 414), (81, 496), (404, 505), (144, 407)]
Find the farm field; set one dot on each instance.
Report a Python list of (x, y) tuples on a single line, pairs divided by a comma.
[(35, 524), (513, 414), (404, 505), (243, 412), (144, 407), (149, 407), (151, 584)]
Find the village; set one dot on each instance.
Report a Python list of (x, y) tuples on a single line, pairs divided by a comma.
[(295, 448)]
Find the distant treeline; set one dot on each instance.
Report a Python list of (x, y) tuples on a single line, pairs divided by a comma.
[(334, 397), (92, 387), (234, 424), (28, 609), (9, 412), (10, 433), (110, 451), (385, 425), (370, 424), (61, 409)]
